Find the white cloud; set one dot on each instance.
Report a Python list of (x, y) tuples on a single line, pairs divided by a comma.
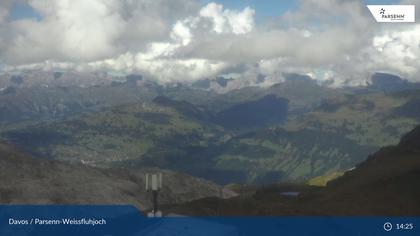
[(398, 50), (85, 31), (226, 21), (331, 40)]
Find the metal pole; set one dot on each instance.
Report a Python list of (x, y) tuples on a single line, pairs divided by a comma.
[(155, 203), (154, 184)]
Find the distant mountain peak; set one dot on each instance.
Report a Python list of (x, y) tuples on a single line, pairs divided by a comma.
[(390, 83)]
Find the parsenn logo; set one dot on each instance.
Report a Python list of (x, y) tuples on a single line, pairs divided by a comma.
[(393, 13), (382, 11), (391, 16)]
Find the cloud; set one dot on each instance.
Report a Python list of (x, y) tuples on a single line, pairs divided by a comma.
[(334, 41), (225, 21), (105, 43), (4, 13), (85, 31), (397, 50)]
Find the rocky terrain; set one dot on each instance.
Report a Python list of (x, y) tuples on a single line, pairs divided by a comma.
[(26, 180)]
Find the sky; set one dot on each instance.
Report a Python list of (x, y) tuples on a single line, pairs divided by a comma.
[(336, 42), (264, 10)]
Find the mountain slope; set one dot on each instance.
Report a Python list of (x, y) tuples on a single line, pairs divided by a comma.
[(126, 132), (266, 111), (185, 108), (274, 154), (386, 184), (302, 92), (52, 103), (26, 180), (389, 83), (410, 109), (368, 119)]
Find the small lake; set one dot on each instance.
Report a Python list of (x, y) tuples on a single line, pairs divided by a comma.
[(290, 194)]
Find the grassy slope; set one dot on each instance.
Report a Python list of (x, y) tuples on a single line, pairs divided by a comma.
[(366, 119), (323, 180), (329, 139), (294, 155), (116, 134), (54, 103)]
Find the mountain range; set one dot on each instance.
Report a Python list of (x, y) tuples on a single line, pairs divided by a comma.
[(290, 131)]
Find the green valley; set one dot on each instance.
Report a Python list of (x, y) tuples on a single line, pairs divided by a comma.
[(259, 137)]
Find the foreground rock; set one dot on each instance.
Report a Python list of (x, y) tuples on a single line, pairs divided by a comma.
[(26, 180)]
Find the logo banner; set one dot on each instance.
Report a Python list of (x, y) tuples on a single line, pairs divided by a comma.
[(393, 13)]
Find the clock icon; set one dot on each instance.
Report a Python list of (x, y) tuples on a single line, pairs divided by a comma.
[(387, 226)]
